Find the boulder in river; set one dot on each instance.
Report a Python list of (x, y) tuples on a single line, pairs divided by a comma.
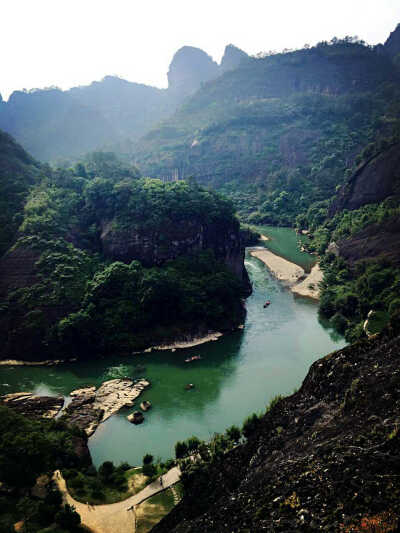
[(146, 405), (90, 407), (136, 417)]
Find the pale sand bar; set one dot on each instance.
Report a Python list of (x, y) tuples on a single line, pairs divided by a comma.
[(291, 274), (314, 278), (281, 268), (188, 344)]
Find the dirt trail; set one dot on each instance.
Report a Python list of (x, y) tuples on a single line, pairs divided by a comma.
[(115, 517)]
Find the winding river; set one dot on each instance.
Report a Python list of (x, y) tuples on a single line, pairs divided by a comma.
[(237, 375)]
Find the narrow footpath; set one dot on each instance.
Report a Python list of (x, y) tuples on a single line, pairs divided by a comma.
[(115, 517)]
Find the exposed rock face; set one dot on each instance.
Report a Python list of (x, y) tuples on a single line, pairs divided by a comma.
[(33, 406), (136, 417), (183, 239), (17, 269), (36, 407), (90, 407), (323, 459), (392, 45), (374, 241), (232, 58), (374, 181), (190, 67), (145, 406)]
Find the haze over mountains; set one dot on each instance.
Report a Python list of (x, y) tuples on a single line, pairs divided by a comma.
[(51, 123)]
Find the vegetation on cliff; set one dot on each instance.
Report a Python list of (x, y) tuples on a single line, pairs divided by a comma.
[(32, 449), (279, 132), (19, 172), (146, 262)]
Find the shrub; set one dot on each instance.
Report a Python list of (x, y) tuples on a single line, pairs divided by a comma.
[(250, 425)]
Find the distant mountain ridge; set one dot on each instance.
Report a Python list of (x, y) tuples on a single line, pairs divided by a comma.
[(52, 124)]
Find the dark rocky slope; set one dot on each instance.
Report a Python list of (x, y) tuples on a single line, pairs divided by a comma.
[(326, 458), (392, 45), (375, 180), (175, 238), (375, 240)]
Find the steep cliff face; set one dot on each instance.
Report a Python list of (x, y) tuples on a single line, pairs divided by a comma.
[(189, 68), (323, 459), (374, 181), (374, 241), (232, 58), (172, 240), (392, 45)]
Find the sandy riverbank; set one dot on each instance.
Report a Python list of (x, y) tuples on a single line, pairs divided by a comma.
[(291, 274), (15, 362), (282, 269), (310, 286), (195, 341)]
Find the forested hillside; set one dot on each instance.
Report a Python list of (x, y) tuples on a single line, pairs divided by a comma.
[(113, 113), (280, 132), (101, 249), (19, 172), (30, 451)]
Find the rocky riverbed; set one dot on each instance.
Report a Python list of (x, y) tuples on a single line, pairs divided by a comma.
[(33, 406), (89, 406)]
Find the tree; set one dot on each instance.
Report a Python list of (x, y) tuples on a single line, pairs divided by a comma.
[(181, 450), (106, 470), (250, 425), (147, 459), (233, 433), (68, 518), (193, 443)]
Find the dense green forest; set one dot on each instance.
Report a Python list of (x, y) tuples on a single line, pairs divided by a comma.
[(280, 132), (72, 271), (32, 449), (282, 136)]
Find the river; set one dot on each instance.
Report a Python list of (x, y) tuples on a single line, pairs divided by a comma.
[(237, 375)]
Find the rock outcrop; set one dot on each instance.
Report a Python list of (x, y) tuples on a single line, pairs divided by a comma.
[(136, 418), (324, 459), (232, 58), (32, 405), (392, 44), (151, 248), (375, 180), (374, 241), (90, 406), (190, 67)]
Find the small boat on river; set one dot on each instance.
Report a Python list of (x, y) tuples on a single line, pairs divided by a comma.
[(267, 303), (193, 358)]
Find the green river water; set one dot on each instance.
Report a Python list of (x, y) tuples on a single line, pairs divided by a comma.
[(237, 375)]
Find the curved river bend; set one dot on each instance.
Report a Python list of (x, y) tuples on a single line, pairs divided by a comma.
[(238, 374)]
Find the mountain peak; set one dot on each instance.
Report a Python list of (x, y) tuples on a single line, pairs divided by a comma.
[(232, 57), (392, 44), (189, 68)]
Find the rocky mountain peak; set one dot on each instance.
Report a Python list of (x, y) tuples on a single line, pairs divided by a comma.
[(232, 58), (392, 44), (189, 68)]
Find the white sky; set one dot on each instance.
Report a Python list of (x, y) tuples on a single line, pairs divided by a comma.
[(73, 42)]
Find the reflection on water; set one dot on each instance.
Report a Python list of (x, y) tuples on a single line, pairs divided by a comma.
[(237, 375)]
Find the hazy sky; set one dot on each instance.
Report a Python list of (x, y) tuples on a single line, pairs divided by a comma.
[(73, 42)]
